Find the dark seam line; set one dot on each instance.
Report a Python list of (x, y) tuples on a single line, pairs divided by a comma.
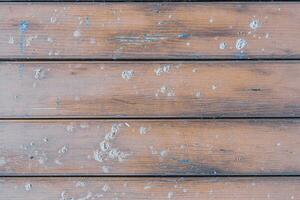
[(146, 60), (143, 118), (145, 176), (112, 1)]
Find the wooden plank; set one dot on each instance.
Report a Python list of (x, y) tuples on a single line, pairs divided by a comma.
[(151, 89), (283, 188), (150, 30), (150, 147)]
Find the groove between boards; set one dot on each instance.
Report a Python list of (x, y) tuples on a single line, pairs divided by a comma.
[(144, 176), (142, 60)]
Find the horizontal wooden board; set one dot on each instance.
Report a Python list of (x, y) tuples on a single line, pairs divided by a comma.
[(150, 147), (150, 188), (150, 30), (150, 89)]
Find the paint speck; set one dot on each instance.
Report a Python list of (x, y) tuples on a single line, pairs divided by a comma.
[(93, 41), (222, 45), (98, 156), (63, 150), (2, 161), (278, 144), (167, 91), (267, 35), (46, 140), (211, 20), (188, 44), (143, 130), (163, 69), (163, 153), (53, 20), (254, 24), (170, 195), (292, 197), (84, 126), (11, 40), (39, 74), (49, 39), (198, 94), (127, 75), (213, 87), (105, 188), (240, 44), (76, 33), (105, 169), (70, 128), (28, 186), (80, 184)]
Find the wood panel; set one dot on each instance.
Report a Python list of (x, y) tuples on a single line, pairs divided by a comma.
[(150, 147), (150, 30), (151, 89), (150, 188)]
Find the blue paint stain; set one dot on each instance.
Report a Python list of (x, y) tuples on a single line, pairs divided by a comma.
[(184, 35), (23, 26), (184, 161), (87, 21), (21, 70)]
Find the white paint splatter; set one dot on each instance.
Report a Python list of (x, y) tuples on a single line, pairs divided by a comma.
[(105, 187), (2, 161), (166, 90), (105, 169), (198, 94), (163, 69), (240, 44), (223, 45), (127, 75), (11, 40), (170, 195), (63, 149), (255, 24), (213, 87), (28, 186), (143, 130), (76, 34), (80, 184)]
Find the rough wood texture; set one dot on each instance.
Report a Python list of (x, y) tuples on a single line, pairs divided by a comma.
[(150, 30), (193, 147), (151, 89), (150, 188)]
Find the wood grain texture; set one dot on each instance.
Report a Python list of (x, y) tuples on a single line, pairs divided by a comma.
[(150, 147), (150, 30), (150, 188), (151, 89)]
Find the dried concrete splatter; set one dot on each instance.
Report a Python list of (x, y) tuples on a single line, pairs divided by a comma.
[(128, 74)]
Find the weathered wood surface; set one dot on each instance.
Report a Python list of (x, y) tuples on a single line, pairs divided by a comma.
[(150, 30), (284, 188), (151, 89), (150, 147)]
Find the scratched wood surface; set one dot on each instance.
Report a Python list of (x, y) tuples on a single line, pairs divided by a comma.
[(151, 89), (150, 30), (150, 147), (284, 188)]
